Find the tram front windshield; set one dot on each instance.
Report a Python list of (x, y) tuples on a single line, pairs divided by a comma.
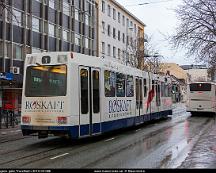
[(46, 81)]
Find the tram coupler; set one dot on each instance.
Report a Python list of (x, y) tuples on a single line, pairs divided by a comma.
[(42, 134)]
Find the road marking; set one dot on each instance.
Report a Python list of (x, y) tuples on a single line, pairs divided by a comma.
[(109, 139), (59, 156), (17, 130), (138, 130)]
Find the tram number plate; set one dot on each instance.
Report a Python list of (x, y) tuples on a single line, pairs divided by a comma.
[(40, 128), (200, 109)]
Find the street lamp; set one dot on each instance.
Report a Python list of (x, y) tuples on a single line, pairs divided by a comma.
[(127, 41)]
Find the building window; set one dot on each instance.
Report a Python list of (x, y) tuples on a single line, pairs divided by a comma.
[(77, 40), (127, 22), (52, 4), (103, 48), (86, 19), (123, 20), (108, 30), (17, 18), (86, 43), (114, 14), (135, 29), (114, 52), (109, 50), (119, 17), (66, 7), (103, 6), (123, 37), (114, 33), (17, 51), (35, 24), (77, 15), (109, 10), (119, 35), (103, 27), (119, 53), (51, 30), (65, 35)]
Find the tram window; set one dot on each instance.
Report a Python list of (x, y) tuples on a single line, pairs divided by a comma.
[(120, 85), (145, 88), (162, 89), (109, 83), (169, 90), (84, 90), (141, 93), (129, 86), (96, 91)]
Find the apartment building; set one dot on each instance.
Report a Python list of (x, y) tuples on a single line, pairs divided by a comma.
[(29, 26), (120, 34)]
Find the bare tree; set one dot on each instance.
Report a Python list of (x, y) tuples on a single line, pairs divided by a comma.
[(152, 59), (197, 29)]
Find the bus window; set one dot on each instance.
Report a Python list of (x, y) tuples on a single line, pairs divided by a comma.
[(129, 86), (46, 81), (109, 83), (84, 90), (200, 87), (120, 85), (96, 91)]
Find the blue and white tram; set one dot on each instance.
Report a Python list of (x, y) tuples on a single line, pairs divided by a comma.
[(77, 95)]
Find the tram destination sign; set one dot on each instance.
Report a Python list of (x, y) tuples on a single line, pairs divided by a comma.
[(6, 76)]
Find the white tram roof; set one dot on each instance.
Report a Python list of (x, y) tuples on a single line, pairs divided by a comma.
[(93, 61)]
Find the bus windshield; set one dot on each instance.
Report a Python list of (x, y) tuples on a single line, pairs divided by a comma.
[(200, 87), (46, 81)]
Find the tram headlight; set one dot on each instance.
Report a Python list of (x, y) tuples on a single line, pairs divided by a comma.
[(62, 120), (26, 119)]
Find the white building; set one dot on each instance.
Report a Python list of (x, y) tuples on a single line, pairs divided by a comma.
[(196, 72), (117, 27)]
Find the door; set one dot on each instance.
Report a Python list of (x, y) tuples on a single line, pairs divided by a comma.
[(158, 96), (89, 116), (139, 100)]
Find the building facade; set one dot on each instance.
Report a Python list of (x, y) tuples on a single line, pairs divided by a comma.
[(121, 34), (30, 26), (196, 72)]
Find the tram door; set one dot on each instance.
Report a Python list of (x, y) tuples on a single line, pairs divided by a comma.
[(89, 93), (139, 100), (158, 96)]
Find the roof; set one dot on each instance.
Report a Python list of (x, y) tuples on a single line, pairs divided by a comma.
[(192, 66), (174, 70), (129, 13)]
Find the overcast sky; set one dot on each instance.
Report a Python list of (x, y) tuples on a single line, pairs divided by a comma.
[(160, 20)]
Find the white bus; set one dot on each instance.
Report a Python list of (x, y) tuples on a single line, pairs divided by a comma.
[(201, 97), (77, 95)]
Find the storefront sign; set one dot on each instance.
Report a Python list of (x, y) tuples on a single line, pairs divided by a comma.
[(6, 76)]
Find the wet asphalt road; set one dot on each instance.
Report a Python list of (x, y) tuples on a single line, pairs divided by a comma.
[(178, 142)]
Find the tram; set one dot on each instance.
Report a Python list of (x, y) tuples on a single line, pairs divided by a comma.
[(201, 97), (67, 93)]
